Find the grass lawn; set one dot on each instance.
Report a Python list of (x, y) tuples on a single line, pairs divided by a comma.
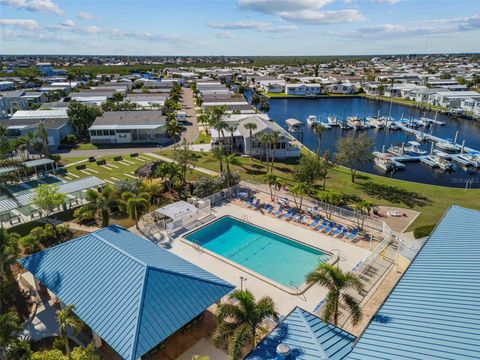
[(414, 103), (203, 138), (123, 170), (85, 146), (430, 200)]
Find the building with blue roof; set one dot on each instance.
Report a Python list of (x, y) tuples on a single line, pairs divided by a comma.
[(130, 292), (432, 313), (434, 310), (304, 336)]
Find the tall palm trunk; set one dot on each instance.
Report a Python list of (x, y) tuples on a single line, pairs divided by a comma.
[(136, 217), (251, 143), (273, 156)]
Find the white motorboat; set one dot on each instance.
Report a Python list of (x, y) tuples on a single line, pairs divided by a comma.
[(393, 125), (312, 120), (436, 160), (470, 159), (420, 137), (332, 121), (413, 148), (447, 146), (457, 111)]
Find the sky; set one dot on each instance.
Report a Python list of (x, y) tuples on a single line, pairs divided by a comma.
[(239, 27)]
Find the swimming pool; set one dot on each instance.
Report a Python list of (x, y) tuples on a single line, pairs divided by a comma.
[(271, 255)]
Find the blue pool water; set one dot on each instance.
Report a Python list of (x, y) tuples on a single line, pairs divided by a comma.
[(278, 258)]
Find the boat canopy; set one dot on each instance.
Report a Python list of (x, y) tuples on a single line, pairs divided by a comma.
[(294, 123)]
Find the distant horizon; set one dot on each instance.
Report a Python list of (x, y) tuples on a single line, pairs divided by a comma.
[(253, 56), (223, 28)]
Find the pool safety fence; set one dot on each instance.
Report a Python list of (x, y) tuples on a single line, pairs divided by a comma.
[(222, 195), (351, 215)]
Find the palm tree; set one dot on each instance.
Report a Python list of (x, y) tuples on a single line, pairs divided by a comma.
[(250, 127), (232, 129), (8, 253), (331, 198), (102, 202), (364, 207), (173, 130), (239, 325), (230, 159), (218, 154), (42, 135), (168, 172), (136, 205), (265, 139), (66, 319), (275, 138), (300, 190), (318, 129), (272, 181), (336, 281)]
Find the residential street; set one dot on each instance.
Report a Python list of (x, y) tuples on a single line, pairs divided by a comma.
[(188, 105)]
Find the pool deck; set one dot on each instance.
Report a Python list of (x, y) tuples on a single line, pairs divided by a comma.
[(350, 255)]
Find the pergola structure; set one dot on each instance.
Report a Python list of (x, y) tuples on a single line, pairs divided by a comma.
[(19, 207), (37, 165)]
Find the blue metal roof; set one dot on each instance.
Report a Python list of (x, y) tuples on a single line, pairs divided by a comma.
[(132, 293), (308, 338), (434, 311)]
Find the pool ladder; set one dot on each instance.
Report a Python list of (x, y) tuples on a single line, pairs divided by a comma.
[(197, 246), (245, 218)]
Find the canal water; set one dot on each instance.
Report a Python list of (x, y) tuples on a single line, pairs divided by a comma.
[(282, 109)]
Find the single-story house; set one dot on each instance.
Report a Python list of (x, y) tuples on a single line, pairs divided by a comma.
[(131, 293), (344, 88), (27, 121), (472, 105), (272, 86), (453, 99), (147, 101), (117, 127), (303, 89), (285, 148), (7, 85), (371, 88)]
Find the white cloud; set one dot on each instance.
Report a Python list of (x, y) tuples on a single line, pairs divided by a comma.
[(276, 6), (224, 35), (425, 28), (34, 5), (314, 17), (68, 23), (84, 15), (390, 2), (28, 24), (303, 11), (252, 25)]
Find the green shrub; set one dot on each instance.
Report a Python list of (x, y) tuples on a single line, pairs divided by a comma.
[(70, 140), (422, 231), (30, 244)]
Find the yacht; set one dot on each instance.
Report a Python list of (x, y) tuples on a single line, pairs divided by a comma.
[(420, 137), (386, 162), (470, 158), (312, 120), (332, 121), (436, 160), (412, 149), (447, 146), (393, 125), (344, 125)]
